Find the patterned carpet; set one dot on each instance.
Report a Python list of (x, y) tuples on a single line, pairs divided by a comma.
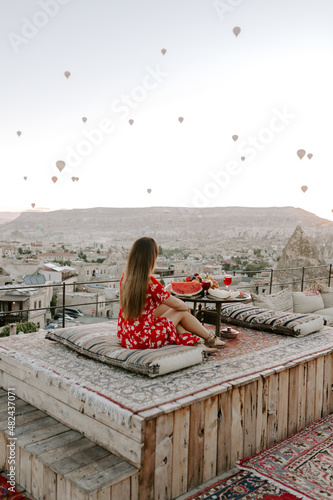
[(251, 353), (301, 464), (243, 486), (7, 494)]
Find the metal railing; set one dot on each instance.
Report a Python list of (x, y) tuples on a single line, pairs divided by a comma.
[(12, 316)]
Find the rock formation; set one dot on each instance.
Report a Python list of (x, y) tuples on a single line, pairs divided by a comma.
[(299, 252)]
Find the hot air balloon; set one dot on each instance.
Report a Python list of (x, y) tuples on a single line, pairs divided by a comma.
[(25, 177), (54, 179), (243, 158), (236, 31), (304, 188), (300, 153), (84, 119), (310, 155), (235, 137), (148, 191), (67, 74), (33, 205), (76, 178), (131, 122), (73, 179), (163, 51), (60, 165), (180, 119), (19, 133)]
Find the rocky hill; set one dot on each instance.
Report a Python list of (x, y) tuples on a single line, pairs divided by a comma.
[(195, 228)]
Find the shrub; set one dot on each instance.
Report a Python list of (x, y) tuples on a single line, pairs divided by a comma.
[(27, 327)]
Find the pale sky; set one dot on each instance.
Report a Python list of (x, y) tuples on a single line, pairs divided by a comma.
[(271, 85)]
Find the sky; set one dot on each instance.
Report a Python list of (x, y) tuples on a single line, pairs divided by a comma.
[(271, 85)]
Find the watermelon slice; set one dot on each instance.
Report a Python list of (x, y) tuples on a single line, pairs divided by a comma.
[(186, 289)]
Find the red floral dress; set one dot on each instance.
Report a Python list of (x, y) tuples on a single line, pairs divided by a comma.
[(148, 332)]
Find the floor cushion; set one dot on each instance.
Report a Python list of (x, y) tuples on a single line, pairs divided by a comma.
[(98, 341), (307, 302), (280, 301), (296, 325)]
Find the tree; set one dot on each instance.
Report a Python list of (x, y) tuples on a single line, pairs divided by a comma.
[(27, 327)]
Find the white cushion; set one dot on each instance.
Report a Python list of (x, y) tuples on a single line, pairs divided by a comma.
[(304, 302), (328, 311), (280, 301), (327, 297)]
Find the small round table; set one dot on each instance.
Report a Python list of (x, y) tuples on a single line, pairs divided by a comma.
[(215, 313)]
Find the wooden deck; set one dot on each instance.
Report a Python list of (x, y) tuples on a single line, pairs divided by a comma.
[(176, 446)]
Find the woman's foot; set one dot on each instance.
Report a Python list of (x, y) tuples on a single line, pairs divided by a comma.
[(214, 342), (209, 350)]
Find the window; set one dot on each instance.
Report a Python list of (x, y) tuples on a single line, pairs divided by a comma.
[(35, 304), (40, 303), (88, 271)]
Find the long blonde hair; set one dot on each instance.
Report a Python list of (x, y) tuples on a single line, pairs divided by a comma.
[(140, 264)]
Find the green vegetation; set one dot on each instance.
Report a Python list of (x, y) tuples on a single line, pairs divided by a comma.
[(27, 327)]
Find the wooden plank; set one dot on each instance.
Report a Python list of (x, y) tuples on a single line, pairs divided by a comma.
[(104, 494), (3, 452), (310, 392), (53, 442), (37, 486), (328, 383), (293, 400), (262, 408), (66, 450), (318, 409), (147, 473), (237, 425), (39, 435), (77, 460), (64, 488), (330, 388), (20, 413), (121, 490), (24, 469), (210, 438), (196, 444), (96, 431), (135, 487), (272, 409), (283, 387), (181, 429), (63, 393), (163, 456), (301, 412), (250, 417), (101, 473), (224, 431), (33, 426), (49, 484)]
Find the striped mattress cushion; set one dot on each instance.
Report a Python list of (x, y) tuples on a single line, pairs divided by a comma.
[(294, 324), (99, 341)]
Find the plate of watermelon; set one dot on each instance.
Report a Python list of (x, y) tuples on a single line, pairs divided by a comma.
[(186, 289)]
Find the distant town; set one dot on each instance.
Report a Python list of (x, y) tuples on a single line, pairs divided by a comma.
[(37, 275)]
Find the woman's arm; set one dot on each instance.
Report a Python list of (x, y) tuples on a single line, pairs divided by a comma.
[(176, 304)]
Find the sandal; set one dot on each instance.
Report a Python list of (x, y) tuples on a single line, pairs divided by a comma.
[(215, 342)]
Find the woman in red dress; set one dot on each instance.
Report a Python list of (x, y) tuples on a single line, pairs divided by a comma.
[(149, 316)]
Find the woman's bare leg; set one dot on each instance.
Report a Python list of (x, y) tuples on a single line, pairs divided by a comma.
[(189, 322)]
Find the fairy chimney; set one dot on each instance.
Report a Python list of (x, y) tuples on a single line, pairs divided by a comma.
[(299, 252)]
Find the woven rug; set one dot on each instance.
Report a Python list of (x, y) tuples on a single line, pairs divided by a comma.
[(7, 494), (243, 486), (301, 464)]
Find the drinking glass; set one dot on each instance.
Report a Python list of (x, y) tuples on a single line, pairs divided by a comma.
[(227, 281)]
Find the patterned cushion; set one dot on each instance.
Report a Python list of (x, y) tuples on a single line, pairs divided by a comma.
[(296, 325), (99, 341), (280, 301)]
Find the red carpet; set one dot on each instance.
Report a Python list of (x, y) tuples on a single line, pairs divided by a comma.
[(8, 494), (243, 486)]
